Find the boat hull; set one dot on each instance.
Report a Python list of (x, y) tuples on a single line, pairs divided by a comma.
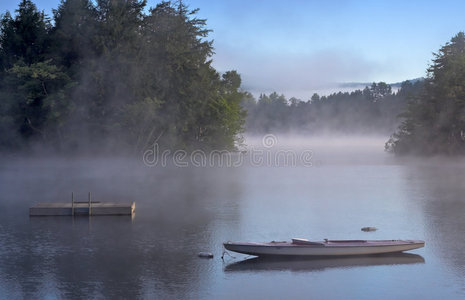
[(329, 248)]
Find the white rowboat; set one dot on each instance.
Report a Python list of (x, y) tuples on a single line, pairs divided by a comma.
[(304, 247)]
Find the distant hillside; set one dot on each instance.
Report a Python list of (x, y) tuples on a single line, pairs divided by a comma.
[(361, 85)]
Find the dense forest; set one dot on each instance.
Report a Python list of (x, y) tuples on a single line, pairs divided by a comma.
[(373, 110), (434, 122), (114, 74)]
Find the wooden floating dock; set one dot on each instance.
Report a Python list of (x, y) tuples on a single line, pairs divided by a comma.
[(82, 209), (87, 208)]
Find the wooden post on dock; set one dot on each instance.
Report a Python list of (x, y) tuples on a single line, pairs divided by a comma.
[(90, 206), (72, 203)]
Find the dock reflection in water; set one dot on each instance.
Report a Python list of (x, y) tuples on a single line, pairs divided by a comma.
[(296, 264)]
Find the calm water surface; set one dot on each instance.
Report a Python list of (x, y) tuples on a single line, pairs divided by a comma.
[(182, 211)]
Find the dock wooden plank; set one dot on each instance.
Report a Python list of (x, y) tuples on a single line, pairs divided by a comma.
[(80, 208)]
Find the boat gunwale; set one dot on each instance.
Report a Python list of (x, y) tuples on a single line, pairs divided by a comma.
[(325, 244)]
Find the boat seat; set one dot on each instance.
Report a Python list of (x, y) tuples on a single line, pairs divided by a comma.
[(299, 241)]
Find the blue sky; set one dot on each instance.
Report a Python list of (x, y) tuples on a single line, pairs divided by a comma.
[(299, 47)]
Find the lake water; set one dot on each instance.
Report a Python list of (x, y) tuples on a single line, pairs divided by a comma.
[(181, 211)]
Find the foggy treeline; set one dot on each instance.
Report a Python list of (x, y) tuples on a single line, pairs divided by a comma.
[(427, 116), (113, 73), (374, 109)]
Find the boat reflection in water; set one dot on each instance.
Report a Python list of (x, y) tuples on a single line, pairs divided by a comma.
[(298, 264)]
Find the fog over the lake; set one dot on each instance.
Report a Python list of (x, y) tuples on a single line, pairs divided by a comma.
[(180, 211)]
